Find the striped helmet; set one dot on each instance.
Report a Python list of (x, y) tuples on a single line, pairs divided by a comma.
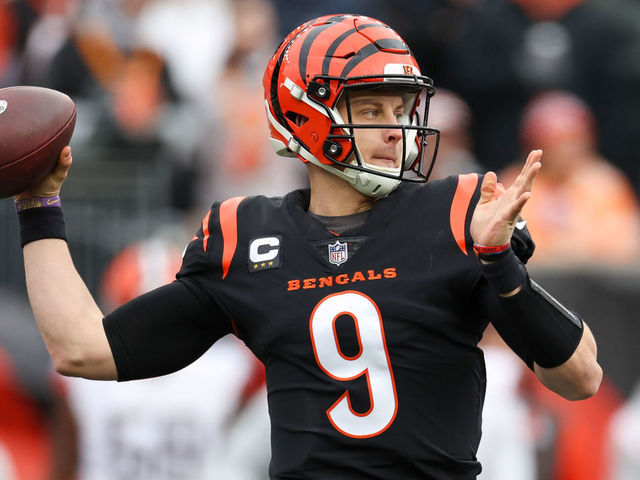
[(320, 63)]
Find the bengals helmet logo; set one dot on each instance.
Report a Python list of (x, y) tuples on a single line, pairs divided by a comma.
[(407, 69)]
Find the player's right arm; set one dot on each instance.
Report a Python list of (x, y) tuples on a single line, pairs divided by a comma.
[(68, 317), (154, 334)]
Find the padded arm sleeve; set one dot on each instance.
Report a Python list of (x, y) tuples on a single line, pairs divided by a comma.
[(162, 331), (535, 325)]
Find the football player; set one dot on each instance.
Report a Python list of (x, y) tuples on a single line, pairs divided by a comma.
[(364, 296)]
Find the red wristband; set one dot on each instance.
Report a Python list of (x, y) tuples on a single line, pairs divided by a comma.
[(484, 249)]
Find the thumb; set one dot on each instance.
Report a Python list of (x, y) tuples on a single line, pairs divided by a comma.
[(59, 173), (488, 188)]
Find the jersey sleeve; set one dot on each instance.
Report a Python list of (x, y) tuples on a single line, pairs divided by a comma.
[(162, 331), (211, 249), (207, 258)]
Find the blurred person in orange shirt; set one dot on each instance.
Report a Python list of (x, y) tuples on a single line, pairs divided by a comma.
[(585, 210)]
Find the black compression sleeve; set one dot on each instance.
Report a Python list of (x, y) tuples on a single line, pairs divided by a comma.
[(550, 330), (162, 331)]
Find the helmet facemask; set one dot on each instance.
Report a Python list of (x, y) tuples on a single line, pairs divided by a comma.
[(341, 148)]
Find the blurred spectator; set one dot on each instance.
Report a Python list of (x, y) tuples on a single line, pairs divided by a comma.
[(584, 210), (7, 41), (17, 19), (624, 439), (292, 13), (237, 158), (37, 428), (451, 115), (170, 427), (572, 436), (507, 449), (193, 36), (121, 89), (128, 105), (509, 50)]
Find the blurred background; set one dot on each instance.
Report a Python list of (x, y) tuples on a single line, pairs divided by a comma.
[(170, 119)]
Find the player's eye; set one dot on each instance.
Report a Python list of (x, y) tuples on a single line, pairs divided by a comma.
[(370, 113)]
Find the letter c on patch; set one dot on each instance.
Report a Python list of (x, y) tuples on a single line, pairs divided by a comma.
[(264, 249)]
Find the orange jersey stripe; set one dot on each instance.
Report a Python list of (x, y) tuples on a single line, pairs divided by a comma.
[(205, 230), (459, 207), (229, 227)]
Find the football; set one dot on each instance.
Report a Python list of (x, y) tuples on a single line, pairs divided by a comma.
[(35, 125)]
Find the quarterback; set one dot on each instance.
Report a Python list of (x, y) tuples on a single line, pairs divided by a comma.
[(364, 296)]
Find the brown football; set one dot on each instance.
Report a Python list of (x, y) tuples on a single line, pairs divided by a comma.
[(35, 125)]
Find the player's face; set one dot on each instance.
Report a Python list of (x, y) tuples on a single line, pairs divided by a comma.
[(381, 147)]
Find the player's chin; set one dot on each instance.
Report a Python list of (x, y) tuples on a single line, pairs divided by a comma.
[(384, 163)]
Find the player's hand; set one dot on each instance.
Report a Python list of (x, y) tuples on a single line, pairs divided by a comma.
[(50, 186), (499, 208)]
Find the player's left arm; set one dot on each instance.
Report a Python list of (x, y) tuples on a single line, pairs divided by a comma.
[(558, 343), (579, 377)]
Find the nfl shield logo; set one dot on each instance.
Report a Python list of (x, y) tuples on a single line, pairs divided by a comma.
[(338, 253)]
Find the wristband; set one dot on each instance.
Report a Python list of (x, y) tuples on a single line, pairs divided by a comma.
[(39, 223), (505, 274), (493, 257), (490, 249), (37, 202)]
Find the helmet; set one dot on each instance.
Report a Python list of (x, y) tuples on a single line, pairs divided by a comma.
[(319, 64)]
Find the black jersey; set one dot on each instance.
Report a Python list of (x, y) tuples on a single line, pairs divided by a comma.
[(369, 338)]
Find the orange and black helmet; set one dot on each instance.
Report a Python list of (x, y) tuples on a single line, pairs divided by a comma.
[(319, 63)]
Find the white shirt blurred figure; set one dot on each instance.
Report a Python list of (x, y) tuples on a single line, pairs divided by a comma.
[(625, 439), (507, 448), (247, 449), (165, 428), (193, 38)]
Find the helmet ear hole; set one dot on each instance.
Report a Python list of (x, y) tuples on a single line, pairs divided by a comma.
[(296, 118)]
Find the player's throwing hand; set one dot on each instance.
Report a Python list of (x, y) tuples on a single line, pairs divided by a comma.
[(51, 184)]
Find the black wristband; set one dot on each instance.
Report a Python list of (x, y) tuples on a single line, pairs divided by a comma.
[(40, 223), (493, 257), (505, 274)]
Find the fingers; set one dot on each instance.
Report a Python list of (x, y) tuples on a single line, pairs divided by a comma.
[(488, 188), (531, 168), (515, 208), (526, 177)]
